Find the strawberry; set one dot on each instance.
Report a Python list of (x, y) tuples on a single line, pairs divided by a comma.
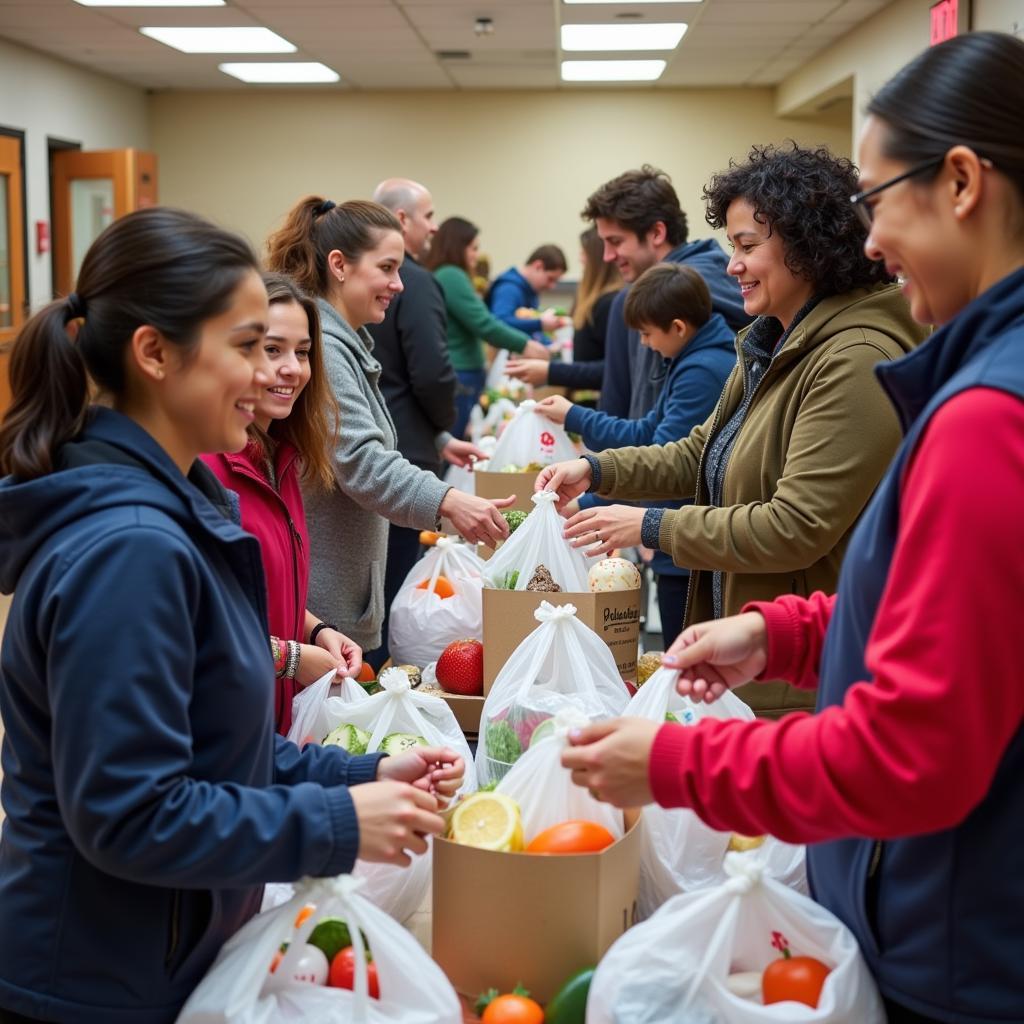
[(460, 669)]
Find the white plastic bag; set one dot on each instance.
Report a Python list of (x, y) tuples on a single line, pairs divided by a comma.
[(316, 708), (239, 988), (496, 371), (530, 438), (398, 708), (422, 624), (672, 969), (562, 664), (539, 541), (544, 790), (679, 853)]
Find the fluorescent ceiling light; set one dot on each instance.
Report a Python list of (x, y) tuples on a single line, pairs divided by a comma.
[(660, 36), (611, 70), (220, 40), (157, 3), (280, 71), (624, 2)]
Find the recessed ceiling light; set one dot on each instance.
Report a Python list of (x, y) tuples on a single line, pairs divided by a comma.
[(662, 36), (281, 71), (612, 70), (151, 3), (220, 40)]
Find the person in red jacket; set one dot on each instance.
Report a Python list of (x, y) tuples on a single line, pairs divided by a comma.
[(906, 782), (289, 443)]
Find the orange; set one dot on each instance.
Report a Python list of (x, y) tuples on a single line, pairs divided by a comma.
[(442, 587), (796, 978), (428, 538), (366, 674), (572, 837)]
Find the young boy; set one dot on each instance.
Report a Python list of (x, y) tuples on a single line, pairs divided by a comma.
[(670, 307)]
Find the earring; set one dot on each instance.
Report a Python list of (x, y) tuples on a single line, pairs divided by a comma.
[(160, 374), (341, 278)]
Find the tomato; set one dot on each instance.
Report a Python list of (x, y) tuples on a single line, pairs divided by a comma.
[(442, 587), (303, 914), (572, 837), (343, 972), (513, 1009), (797, 978), (366, 674)]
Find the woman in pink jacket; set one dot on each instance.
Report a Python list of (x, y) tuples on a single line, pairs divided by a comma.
[(296, 419)]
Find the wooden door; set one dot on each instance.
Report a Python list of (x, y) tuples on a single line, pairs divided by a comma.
[(12, 254), (91, 189)]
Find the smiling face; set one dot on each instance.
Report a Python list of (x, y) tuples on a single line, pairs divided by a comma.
[(287, 346), (916, 233), (758, 262), (367, 286), (627, 250), (210, 392), (540, 278), (471, 255)]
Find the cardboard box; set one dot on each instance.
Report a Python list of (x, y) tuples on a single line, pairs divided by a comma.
[(508, 619), (504, 918), (467, 711), (501, 485)]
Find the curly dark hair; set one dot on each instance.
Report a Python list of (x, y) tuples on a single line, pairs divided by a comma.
[(804, 195)]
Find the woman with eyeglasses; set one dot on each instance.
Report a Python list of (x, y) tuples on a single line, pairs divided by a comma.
[(907, 784), (775, 478)]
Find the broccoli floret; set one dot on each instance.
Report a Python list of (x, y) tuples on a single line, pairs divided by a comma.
[(514, 517), (502, 743)]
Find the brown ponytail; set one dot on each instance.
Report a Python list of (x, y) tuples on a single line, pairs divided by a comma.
[(160, 267), (315, 227)]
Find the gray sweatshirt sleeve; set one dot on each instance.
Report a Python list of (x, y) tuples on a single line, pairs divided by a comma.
[(373, 475)]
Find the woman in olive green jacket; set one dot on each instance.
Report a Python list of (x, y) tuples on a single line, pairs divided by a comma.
[(802, 432)]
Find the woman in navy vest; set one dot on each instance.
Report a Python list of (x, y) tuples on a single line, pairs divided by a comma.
[(908, 783)]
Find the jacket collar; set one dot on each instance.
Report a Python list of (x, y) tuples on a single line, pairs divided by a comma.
[(914, 379), (250, 459)]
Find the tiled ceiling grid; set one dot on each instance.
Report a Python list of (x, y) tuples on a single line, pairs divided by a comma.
[(422, 44)]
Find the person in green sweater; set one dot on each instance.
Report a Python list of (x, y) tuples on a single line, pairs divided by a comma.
[(452, 256)]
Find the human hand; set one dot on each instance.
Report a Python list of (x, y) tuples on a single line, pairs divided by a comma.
[(567, 479), (550, 321), (394, 819), (315, 662), (530, 371), (346, 652), (535, 350), (462, 453), (436, 770), (477, 519), (716, 656), (612, 759), (606, 527), (555, 408)]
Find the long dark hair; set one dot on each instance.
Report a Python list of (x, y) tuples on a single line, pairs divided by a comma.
[(315, 227), (967, 91), (161, 267), (312, 427), (449, 245)]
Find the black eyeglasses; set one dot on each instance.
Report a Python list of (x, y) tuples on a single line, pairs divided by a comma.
[(865, 213)]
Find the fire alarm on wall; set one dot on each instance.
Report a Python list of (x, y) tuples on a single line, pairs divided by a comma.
[(42, 237)]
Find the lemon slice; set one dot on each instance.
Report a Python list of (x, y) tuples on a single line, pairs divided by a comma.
[(490, 821), (742, 843)]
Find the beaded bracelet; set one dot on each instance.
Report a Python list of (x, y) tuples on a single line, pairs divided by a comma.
[(279, 652), (293, 659)]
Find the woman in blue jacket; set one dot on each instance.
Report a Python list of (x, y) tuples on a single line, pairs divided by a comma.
[(670, 307), (147, 797)]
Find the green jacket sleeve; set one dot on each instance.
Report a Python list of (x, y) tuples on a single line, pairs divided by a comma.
[(471, 312), (843, 438)]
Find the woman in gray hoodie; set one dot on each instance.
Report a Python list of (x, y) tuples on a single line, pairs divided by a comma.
[(348, 256)]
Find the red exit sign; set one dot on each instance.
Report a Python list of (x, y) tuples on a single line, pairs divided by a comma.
[(945, 20)]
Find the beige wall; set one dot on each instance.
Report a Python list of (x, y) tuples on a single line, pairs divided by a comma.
[(864, 59), (519, 164), (46, 97)]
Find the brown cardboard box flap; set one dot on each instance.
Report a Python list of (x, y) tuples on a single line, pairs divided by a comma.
[(501, 485), (501, 918)]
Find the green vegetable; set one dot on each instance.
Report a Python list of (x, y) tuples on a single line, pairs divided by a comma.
[(569, 1006), (396, 743), (348, 737), (510, 580), (511, 468), (332, 935), (669, 717), (546, 728), (514, 517), (502, 743), (488, 787)]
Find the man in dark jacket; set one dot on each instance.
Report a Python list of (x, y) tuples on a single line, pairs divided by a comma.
[(417, 378), (641, 223)]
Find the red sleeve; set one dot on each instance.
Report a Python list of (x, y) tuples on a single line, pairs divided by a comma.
[(796, 635), (915, 749)]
